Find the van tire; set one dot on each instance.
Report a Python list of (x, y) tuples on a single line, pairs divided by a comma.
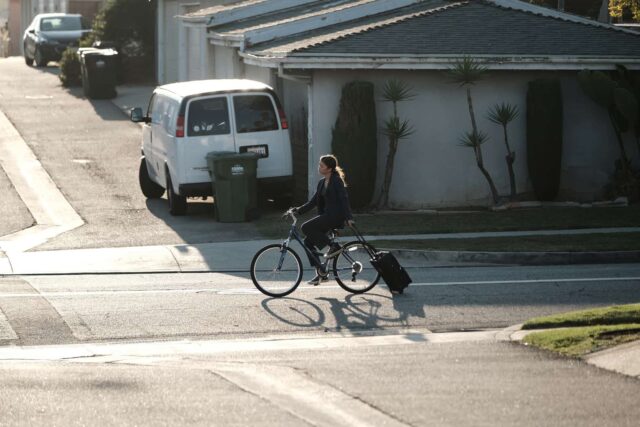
[(177, 203), (150, 189)]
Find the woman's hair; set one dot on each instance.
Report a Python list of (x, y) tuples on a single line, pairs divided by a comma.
[(331, 162)]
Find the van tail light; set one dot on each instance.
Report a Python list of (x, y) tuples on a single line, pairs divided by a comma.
[(283, 119), (180, 127)]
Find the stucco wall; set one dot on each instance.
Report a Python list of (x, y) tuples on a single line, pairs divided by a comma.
[(264, 75), (227, 63), (169, 43), (433, 170)]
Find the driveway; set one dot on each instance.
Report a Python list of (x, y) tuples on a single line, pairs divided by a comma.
[(91, 151)]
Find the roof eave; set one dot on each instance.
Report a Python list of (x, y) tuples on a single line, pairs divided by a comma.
[(441, 62)]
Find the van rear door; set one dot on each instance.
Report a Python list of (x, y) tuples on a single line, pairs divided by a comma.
[(207, 129), (258, 130)]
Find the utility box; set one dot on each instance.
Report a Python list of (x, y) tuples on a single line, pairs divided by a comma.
[(233, 177), (98, 69)]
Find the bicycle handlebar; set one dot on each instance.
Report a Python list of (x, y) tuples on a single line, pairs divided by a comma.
[(291, 213)]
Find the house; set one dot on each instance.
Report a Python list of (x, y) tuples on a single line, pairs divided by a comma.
[(22, 12), (309, 49)]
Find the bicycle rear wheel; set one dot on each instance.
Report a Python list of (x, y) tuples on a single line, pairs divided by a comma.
[(276, 271), (353, 269)]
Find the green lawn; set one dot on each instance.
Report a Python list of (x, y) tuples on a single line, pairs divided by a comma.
[(477, 220), (585, 331), (577, 342), (271, 226), (564, 243)]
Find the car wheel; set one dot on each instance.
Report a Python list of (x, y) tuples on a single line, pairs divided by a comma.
[(177, 203), (27, 60), (149, 188), (39, 59)]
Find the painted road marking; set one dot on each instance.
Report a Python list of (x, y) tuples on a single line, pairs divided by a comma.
[(252, 290)]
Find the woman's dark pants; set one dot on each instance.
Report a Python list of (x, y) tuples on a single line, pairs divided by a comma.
[(316, 230)]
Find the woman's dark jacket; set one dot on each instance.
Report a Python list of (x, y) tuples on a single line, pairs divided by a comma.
[(334, 204)]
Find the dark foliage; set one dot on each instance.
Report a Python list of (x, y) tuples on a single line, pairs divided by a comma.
[(70, 68), (355, 143), (544, 137)]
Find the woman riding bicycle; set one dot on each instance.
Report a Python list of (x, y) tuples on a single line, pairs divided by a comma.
[(332, 201)]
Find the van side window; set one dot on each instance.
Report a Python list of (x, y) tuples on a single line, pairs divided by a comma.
[(208, 116), (151, 106), (157, 110), (254, 113)]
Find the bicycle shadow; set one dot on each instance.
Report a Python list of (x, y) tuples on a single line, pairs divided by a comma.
[(373, 310)]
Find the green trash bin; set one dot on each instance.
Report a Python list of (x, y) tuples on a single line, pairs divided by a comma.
[(233, 177)]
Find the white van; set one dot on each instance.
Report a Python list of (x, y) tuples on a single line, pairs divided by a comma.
[(187, 120)]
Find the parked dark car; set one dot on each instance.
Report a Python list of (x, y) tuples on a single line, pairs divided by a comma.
[(50, 34)]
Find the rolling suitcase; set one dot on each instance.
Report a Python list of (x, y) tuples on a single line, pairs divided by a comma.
[(394, 275)]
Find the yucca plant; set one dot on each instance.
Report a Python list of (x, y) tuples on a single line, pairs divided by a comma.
[(394, 91), (475, 140), (503, 114), (466, 73)]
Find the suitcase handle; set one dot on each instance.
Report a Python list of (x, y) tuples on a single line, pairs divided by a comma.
[(372, 251)]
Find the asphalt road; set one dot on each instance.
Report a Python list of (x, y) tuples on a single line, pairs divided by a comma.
[(204, 349), (72, 309), (91, 151)]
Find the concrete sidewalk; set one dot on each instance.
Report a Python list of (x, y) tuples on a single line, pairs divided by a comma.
[(236, 256), (623, 359)]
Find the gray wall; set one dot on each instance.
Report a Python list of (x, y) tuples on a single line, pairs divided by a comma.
[(432, 170)]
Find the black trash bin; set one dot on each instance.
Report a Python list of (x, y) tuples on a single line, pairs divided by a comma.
[(98, 70), (234, 183)]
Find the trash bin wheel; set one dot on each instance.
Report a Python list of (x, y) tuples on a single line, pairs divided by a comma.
[(177, 203), (150, 189)]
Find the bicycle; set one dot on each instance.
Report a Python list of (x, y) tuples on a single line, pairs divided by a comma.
[(276, 269)]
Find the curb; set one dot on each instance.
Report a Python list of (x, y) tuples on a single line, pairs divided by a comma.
[(517, 258), (622, 359)]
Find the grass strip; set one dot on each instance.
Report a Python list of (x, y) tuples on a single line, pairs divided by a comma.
[(270, 225), (577, 342), (561, 243), (614, 315)]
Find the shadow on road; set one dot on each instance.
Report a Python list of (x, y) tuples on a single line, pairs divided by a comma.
[(354, 312)]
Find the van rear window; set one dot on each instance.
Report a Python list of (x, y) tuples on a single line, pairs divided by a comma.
[(209, 116), (254, 113)]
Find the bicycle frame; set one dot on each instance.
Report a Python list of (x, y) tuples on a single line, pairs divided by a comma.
[(295, 234)]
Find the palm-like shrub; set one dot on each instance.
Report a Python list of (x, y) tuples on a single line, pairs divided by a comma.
[(503, 114), (466, 73), (395, 129)]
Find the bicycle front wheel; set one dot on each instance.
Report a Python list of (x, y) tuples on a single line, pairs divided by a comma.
[(276, 270), (353, 269)]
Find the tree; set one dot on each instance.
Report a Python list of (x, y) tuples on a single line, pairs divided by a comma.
[(621, 9), (503, 114), (354, 140), (394, 91), (130, 25), (466, 73), (588, 8), (619, 102)]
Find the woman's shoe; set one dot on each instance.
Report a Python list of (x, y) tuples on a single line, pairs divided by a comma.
[(320, 277)]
